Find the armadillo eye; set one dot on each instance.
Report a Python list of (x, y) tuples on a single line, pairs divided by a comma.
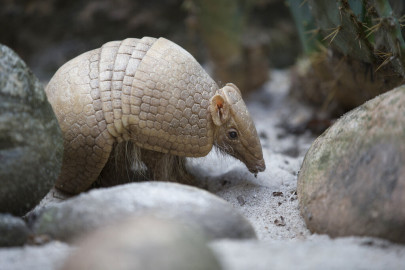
[(233, 134)]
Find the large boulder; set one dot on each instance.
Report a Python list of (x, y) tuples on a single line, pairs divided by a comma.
[(194, 207), (31, 143), (352, 180)]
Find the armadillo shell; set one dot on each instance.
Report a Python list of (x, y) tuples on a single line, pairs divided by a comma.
[(148, 90)]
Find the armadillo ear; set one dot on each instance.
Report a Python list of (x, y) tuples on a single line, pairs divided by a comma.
[(219, 110), (234, 87)]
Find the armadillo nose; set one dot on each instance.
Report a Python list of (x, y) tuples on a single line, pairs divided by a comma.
[(258, 167), (261, 166)]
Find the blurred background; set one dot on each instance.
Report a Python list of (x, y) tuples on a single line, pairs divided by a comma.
[(47, 33), (339, 53)]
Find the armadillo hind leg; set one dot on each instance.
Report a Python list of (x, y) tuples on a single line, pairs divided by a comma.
[(78, 107), (166, 167)]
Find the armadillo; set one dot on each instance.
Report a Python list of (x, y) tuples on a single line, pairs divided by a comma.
[(151, 99)]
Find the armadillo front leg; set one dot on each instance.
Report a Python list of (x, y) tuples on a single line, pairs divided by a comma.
[(166, 167), (123, 166)]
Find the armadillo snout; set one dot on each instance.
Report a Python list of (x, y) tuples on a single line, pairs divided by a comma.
[(259, 166)]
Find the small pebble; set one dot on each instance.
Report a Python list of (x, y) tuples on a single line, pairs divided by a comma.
[(241, 200), (280, 222)]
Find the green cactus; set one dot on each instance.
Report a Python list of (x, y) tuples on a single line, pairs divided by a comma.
[(304, 21), (363, 36), (365, 30), (389, 43), (341, 28)]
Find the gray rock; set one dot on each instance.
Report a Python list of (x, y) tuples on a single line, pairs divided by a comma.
[(352, 181), (30, 138), (47, 257), (13, 231), (316, 253), (143, 243), (190, 205)]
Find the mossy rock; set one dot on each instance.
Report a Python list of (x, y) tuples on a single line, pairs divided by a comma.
[(352, 180), (31, 143)]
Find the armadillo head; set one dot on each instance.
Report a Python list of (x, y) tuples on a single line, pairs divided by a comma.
[(235, 132)]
